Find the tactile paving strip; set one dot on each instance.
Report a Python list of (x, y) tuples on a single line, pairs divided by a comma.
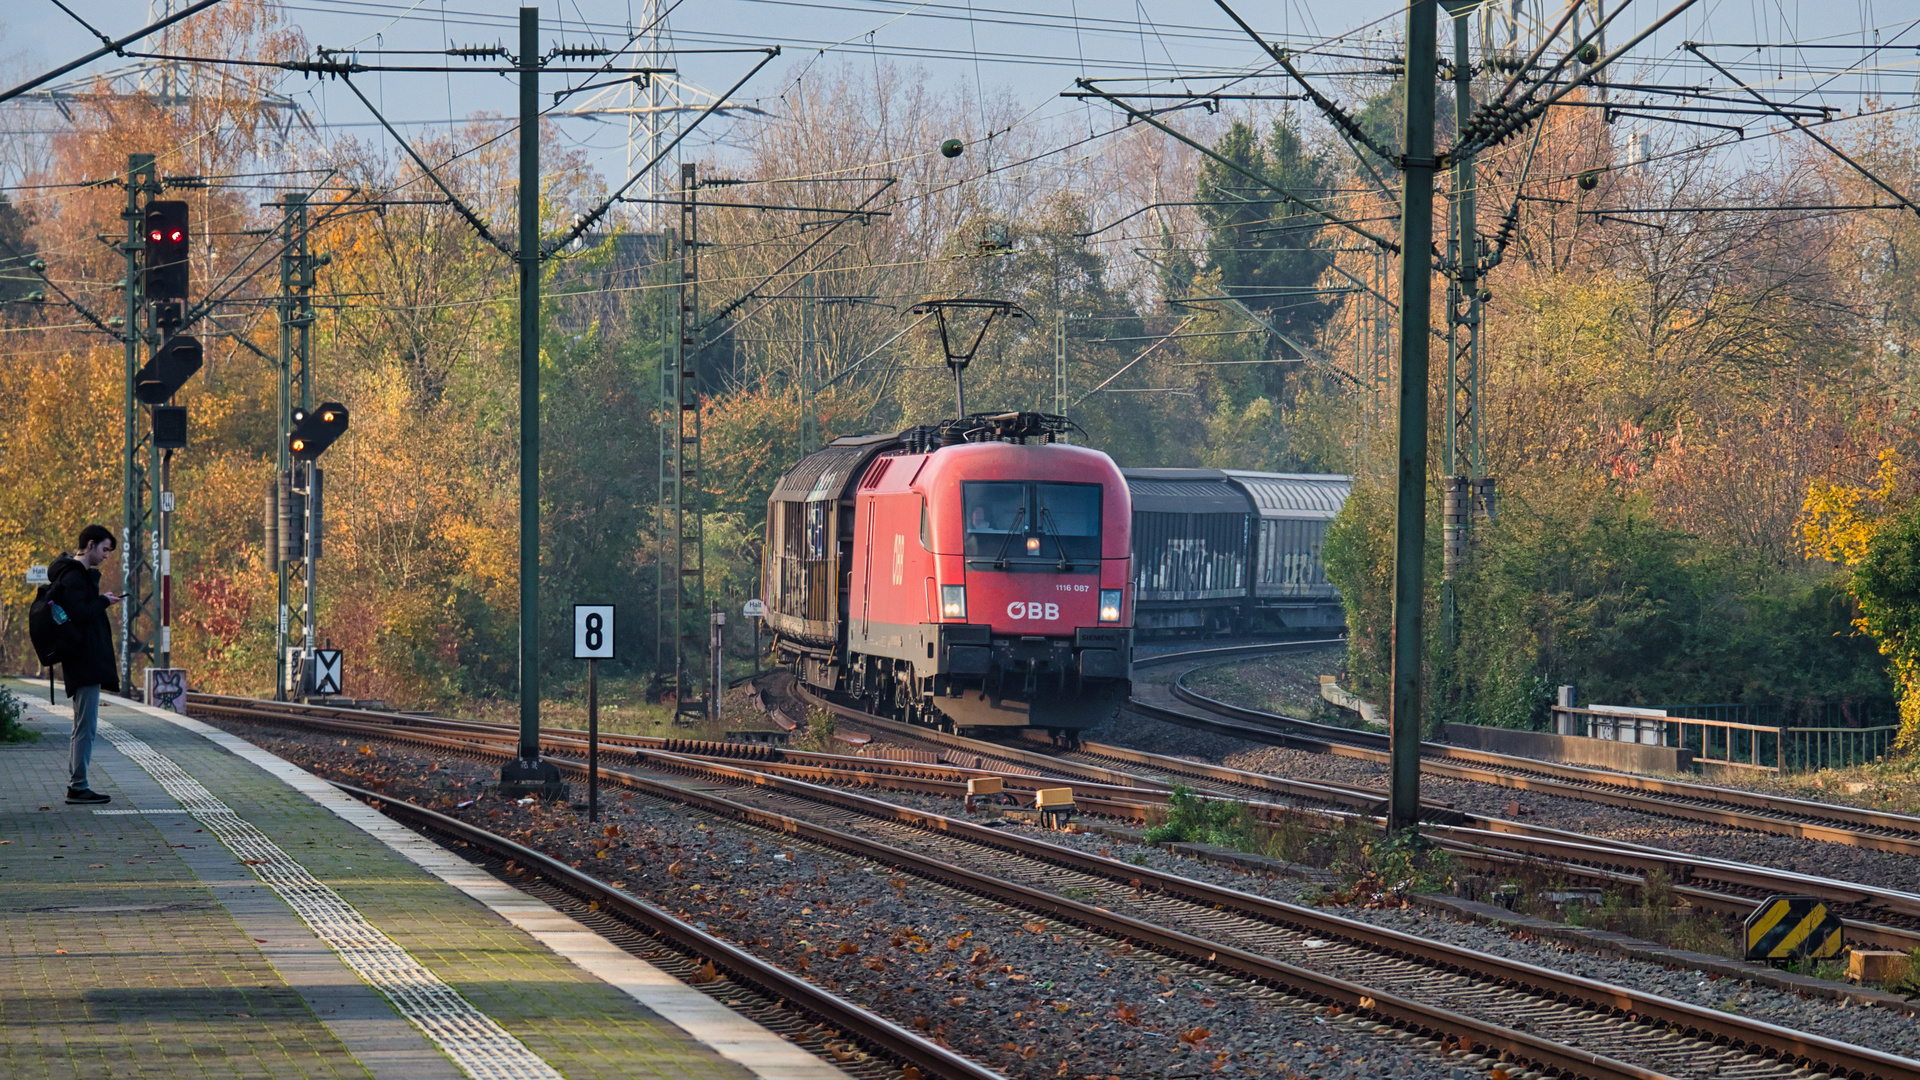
[(471, 1039)]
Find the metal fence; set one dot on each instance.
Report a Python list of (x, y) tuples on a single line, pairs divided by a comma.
[(1809, 749), (1754, 736), (1726, 742)]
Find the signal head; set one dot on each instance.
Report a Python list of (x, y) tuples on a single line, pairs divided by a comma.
[(170, 427), (314, 431), (166, 255), (173, 363)]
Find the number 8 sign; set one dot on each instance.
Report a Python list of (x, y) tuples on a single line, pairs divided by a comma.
[(593, 631)]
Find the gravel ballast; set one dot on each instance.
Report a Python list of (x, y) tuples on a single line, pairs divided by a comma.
[(1028, 997), (1863, 866)]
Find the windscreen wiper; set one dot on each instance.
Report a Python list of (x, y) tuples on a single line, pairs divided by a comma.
[(1046, 522), (1000, 560)]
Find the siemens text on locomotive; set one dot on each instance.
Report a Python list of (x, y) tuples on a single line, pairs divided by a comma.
[(970, 574)]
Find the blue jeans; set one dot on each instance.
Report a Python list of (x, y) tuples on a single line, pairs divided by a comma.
[(86, 721)]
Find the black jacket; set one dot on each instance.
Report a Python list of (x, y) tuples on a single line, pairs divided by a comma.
[(77, 590)]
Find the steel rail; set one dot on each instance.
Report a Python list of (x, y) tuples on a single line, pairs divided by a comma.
[(1179, 945), (1337, 794), (1125, 803), (1777, 1042), (1578, 856), (742, 967), (1473, 837), (1861, 908), (1093, 778), (1779, 816), (1784, 1044), (1228, 652)]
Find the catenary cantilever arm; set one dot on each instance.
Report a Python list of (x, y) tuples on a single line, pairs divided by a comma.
[(108, 47), (1291, 197), (466, 211), (1694, 48)]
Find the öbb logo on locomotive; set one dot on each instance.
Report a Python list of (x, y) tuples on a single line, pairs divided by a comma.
[(1033, 610)]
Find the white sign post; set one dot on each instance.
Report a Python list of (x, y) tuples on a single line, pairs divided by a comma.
[(329, 672), (37, 575), (755, 609), (593, 641)]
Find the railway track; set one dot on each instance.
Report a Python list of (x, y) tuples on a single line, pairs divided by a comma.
[(776, 998), (1547, 1021), (1224, 653), (1875, 917), (1830, 823)]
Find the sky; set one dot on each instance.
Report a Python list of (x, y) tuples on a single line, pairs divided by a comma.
[(1029, 51)]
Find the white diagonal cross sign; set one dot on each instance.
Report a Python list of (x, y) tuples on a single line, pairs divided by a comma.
[(327, 671)]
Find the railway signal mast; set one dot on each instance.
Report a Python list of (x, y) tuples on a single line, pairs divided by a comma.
[(527, 773), (312, 433), (169, 368), (157, 286)]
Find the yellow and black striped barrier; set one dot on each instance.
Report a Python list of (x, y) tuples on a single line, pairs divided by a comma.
[(1792, 927)]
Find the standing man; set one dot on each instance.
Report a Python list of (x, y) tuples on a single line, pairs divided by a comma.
[(75, 586)]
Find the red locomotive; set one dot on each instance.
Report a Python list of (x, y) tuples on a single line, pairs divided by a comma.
[(967, 575)]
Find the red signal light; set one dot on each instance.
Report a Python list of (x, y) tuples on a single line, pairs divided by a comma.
[(166, 229)]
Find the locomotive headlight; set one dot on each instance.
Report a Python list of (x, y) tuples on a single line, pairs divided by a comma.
[(953, 601), (1033, 545), (1109, 605)]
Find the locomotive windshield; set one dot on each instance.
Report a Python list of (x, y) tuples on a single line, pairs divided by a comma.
[(1028, 526)]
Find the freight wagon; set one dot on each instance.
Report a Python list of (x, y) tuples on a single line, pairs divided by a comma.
[(1230, 551)]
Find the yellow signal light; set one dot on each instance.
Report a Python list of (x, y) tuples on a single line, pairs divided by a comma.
[(299, 445)]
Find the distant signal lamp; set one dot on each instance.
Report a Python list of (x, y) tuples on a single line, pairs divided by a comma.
[(314, 431)]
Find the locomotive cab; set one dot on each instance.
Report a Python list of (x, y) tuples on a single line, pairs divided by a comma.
[(986, 576)]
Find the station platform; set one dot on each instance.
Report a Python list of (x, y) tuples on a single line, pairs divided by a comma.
[(231, 915)]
